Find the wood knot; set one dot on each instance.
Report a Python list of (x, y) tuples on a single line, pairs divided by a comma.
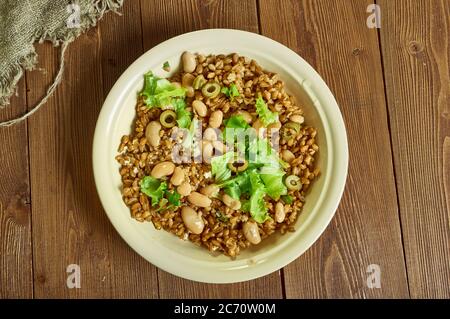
[(18, 209), (356, 51), (415, 47)]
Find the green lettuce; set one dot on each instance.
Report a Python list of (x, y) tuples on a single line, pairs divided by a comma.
[(153, 188), (236, 121), (174, 198), (184, 117), (160, 92), (273, 180), (219, 166), (258, 209), (287, 199), (237, 186), (266, 116), (231, 92)]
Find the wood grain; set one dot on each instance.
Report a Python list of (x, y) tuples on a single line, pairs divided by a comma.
[(69, 224), (121, 44), (16, 273), (162, 20), (416, 54), (333, 37)]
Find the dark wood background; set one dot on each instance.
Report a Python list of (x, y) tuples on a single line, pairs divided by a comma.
[(392, 85)]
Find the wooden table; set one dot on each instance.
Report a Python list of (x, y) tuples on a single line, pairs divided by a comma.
[(392, 85)]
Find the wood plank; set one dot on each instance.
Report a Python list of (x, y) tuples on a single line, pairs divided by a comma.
[(121, 44), (416, 54), (162, 20), (69, 224), (332, 36), (16, 273)]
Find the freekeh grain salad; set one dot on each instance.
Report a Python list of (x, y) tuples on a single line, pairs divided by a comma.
[(219, 154)]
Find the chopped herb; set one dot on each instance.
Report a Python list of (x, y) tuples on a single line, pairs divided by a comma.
[(231, 92), (266, 116), (153, 188), (173, 198), (166, 66), (220, 216), (287, 199)]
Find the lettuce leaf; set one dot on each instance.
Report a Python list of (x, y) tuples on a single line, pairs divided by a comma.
[(219, 167), (231, 92), (160, 92), (261, 153), (173, 198), (236, 121), (287, 199), (237, 186), (153, 188), (184, 117), (258, 209), (266, 116), (273, 180)]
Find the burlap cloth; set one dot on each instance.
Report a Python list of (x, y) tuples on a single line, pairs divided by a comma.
[(23, 22)]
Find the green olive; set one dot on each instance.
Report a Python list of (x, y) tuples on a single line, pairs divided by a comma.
[(293, 183), (199, 81), (168, 118), (211, 90), (238, 166), (290, 130)]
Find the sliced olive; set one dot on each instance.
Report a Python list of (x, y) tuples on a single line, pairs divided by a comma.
[(168, 118), (293, 183), (290, 130), (199, 81), (238, 166), (211, 90)]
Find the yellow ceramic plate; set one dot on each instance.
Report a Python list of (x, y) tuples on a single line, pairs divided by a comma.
[(182, 258)]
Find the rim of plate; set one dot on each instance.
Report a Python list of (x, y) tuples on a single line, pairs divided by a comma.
[(287, 251)]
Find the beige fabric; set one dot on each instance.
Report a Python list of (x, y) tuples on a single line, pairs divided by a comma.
[(26, 21)]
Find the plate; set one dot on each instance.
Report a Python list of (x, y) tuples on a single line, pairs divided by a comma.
[(182, 258)]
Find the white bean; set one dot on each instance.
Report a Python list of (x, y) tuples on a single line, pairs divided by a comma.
[(297, 119), (152, 133), (184, 189), (162, 169), (192, 220), (208, 151), (210, 190), (189, 62), (287, 156), (279, 213), (199, 200), (215, 120), (251, 232), (234, 204), (177, 177), (187, 79), (210, 134), (200, 108)]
